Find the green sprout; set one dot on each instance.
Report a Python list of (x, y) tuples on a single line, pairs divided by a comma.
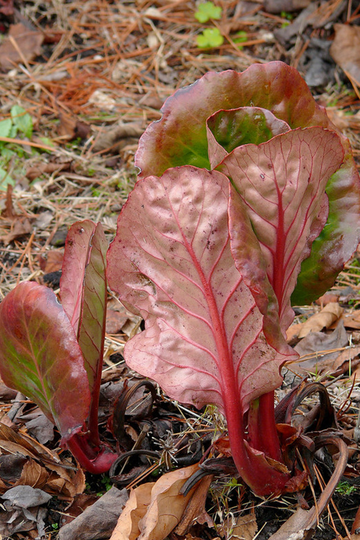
[(210, 38), (20, 121), (241, 37), (208, 11), (344, 488)]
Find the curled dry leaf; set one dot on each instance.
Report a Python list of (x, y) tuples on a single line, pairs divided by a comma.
[(153, 510), (324, 319), (36, 466), (27, 46), (345, 49)]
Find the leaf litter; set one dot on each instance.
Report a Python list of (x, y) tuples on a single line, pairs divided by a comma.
[(92, 76)]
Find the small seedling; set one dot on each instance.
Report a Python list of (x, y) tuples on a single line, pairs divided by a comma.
[(241, 37), (344, 488), (208, 11), (20, 121), (210, 38)]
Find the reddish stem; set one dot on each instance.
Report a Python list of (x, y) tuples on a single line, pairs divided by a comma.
[(262, 427), (94, 460), (252, 465)]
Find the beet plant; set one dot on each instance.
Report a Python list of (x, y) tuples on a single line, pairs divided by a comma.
[(248, 199), (53, 353), (248, 202)]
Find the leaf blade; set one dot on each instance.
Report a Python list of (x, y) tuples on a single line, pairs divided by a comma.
[(40, 357), (172, 263), (281, 183), (83, 291), (179, 138)]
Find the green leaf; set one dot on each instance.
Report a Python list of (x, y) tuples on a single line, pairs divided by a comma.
[(5, 179), (210, 37), (208, 11), (40, 356), (13, 132), (22, 120), (5, 127)]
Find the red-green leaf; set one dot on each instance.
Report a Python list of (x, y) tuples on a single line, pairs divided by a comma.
[(227, 130), (281, 183), (40, 356), (83, 291), (179, 137), (339, 238)]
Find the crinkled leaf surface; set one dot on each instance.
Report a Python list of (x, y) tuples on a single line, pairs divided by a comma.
[(171, 261), (282, 184), (40, 357), (180, 138), (83, 291), (227, 130)]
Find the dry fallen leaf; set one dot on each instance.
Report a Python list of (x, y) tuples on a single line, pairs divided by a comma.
[(72, 128), (51, 261), (154, 510), (313, 350), (195, 511), (118, 137), (38, 466), (21, 44), (245, 528), (324, 319), (19, 228), (127, 527), (345, 49)]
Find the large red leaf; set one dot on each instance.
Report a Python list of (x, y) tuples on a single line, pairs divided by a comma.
[(282, 184), (171, 262), (40, 356), (180, 138)]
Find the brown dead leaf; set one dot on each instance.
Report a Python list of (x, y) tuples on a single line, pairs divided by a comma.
[(327, 298), (98, 520), (51, 261), (19, 228), (324, 319), (21, 44), (154, 510), (127, 527), (41, 467), (352, 320), (345, 49), (292, 333), (313, 350), (245, 528), (118, 137), (277, 6), (195, 511), (115, 321), (46, 168), (72, 128)]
